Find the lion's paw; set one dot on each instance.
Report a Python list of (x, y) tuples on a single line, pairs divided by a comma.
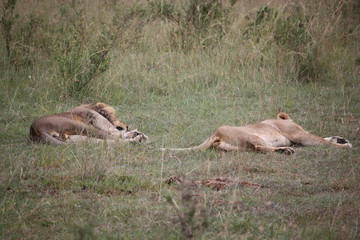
[(339, 140), (285, 150), (135, 136)]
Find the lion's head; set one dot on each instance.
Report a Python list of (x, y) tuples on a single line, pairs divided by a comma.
[(109, 113)]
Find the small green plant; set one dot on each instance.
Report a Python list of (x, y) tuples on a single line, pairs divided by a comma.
[(163, 9), (262, 22), (264, 14), (85, 231), (193, 221)]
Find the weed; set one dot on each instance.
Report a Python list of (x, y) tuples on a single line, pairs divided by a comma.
[(192, 221), (85, 232)]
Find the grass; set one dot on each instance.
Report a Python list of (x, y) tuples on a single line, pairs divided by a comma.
[(178, 96)]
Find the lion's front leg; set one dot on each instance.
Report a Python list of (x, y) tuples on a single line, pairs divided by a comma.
[(76, 139), (101, 123), (339, 141), (83, 139), (308, 139)]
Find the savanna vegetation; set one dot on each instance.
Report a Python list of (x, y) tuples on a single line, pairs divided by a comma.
[(177, 70)]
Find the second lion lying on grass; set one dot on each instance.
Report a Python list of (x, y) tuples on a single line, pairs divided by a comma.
[(89, 122), (271, 135)]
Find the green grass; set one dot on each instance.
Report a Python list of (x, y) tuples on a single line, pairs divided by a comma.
[(178, 97)]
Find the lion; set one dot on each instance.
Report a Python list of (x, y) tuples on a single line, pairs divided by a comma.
[(269, 136), (88, 122)]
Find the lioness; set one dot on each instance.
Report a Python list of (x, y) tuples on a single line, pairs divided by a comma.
[(271, 135), (88, 122)]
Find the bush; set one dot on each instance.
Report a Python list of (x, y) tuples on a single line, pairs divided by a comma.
[(290, 31), (8, 19), (199, 22), (79, 64), (81, 53), (22, 35)]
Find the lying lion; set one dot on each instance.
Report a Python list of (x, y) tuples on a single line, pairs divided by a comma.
[(89, 122), (271, 135)]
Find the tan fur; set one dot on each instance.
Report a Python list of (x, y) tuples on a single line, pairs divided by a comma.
[(271, 135), (88, 122), (283, 116)]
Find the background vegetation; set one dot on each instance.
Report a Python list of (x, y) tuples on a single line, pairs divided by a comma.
[(177, 70)]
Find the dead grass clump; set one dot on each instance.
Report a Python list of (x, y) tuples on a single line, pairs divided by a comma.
[(213, 183)]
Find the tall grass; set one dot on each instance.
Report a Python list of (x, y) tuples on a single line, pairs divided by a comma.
[(177, 70)]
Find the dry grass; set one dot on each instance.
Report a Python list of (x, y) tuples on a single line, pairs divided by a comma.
[(178, 89)]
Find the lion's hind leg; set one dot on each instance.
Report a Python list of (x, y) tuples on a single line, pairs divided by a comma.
[(267, 149), (221, 145), (308, 139), (53, 138), (254, 148), (258, 144), (252, 144)]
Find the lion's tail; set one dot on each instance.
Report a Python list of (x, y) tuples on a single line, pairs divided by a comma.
[(283, 116), (206, 144)]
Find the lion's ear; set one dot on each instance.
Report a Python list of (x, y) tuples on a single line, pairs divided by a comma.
[(283, 116), (101, 105)]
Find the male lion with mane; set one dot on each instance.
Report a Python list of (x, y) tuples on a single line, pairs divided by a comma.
[(271, 135), (88, 122)]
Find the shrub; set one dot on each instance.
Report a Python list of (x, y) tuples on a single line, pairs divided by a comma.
[(79, 65), (81, 55), (83, 45), (293, 34), (20, 35), (7, 21), (199, 22), (290, 31)]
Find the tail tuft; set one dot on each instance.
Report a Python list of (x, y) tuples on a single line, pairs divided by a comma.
[(283, 116)]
